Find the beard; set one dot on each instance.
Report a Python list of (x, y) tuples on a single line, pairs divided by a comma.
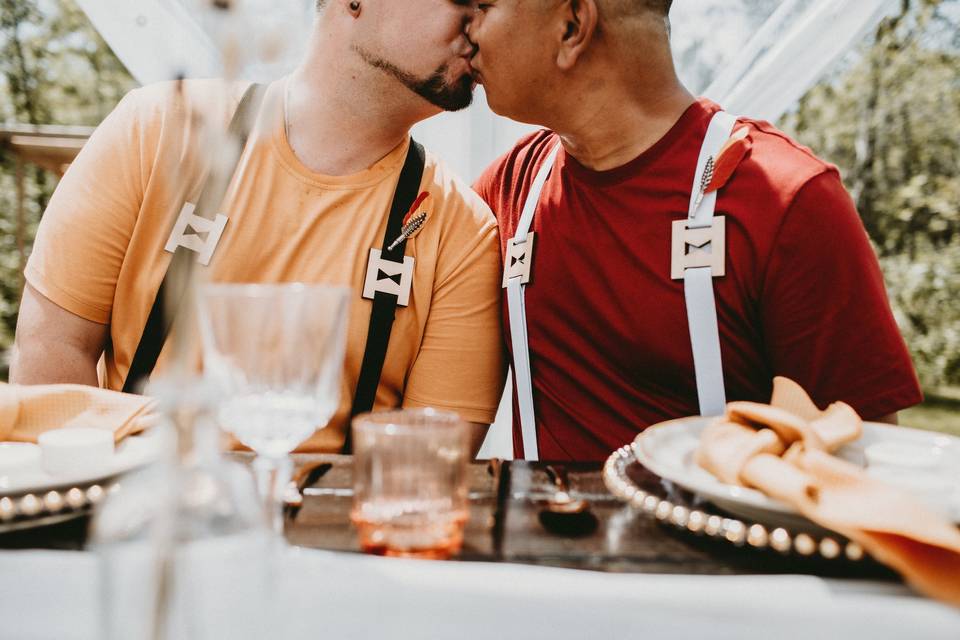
[(435, 88)]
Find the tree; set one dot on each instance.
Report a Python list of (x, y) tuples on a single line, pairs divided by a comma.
[(891, 122), (54, 69)]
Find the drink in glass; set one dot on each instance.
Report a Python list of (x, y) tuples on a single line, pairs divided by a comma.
[(410, 489), (275, 355)]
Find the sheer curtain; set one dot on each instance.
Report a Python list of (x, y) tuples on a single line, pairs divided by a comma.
[(757, 68), (787, 57), (763, 58)]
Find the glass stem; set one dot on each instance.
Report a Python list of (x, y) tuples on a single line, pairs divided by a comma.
[(273, 474)]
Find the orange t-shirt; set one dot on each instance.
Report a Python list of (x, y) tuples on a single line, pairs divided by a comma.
[(99, 252)]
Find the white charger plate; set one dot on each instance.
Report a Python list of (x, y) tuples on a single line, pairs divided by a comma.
[(132, 453), (667, 449)]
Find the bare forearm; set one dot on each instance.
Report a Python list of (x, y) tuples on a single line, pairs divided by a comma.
[(477, 433), (53, 345), (45, 363)]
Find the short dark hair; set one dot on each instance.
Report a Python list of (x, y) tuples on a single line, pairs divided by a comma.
[(635, 8), (660, 6)]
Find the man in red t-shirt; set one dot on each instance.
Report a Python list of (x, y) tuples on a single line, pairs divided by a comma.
[(607, 326)]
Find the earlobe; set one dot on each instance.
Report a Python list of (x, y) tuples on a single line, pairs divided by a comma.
[(579, 28)]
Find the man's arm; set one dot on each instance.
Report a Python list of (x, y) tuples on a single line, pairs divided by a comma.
[(460, 363), (53, 345), (476, 434), (827, 321)]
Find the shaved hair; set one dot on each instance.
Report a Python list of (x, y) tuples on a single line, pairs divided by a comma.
[(660, 6), (630, 11), (626, 8)]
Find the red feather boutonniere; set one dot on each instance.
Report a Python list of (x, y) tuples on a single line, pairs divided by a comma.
[(412, 222), (729, 158)]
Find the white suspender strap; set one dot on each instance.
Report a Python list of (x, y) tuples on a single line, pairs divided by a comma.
[(533, 198), (516, 275), (698, 276), (698, 268)]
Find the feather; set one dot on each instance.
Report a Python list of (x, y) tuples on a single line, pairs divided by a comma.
[(728, 159), (416, 205), (705, 180), (410, 229)]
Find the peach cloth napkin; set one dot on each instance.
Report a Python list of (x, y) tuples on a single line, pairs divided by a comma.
[(28, 411), (784, 450)]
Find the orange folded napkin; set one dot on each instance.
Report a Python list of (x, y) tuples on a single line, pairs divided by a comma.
[(28, 411), (784, 450)]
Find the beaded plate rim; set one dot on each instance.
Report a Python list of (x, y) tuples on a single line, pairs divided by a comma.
[(703, 522), (29, 510)]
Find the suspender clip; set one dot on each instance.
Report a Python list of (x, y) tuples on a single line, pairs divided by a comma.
[(389, 277), (518, 262), (196, 233), (699, 247)]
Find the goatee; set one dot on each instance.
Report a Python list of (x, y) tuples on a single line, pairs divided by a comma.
[(436, 89)]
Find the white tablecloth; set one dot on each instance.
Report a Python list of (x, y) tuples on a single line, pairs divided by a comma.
[(57, 595)]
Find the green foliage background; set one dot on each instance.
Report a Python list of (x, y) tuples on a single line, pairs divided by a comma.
[(54, 69), (889, 118), (891, 121)]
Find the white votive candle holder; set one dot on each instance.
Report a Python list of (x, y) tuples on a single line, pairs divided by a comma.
[(18, 456), (76, 451)]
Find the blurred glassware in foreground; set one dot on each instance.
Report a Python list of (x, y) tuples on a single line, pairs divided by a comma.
[(257, 40), (274, 355), (184, 537), (410, 488)]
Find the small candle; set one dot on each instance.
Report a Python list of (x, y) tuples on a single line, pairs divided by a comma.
[(17, 456), (76, 451)]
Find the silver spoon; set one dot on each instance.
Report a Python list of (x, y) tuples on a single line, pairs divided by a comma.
[(563, 513)]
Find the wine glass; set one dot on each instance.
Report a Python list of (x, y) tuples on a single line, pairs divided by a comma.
[(274, 352)]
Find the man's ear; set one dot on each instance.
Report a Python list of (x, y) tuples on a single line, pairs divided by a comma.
[(580, 24)]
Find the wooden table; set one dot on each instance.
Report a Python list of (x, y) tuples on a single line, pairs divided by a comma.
[(624, 541)]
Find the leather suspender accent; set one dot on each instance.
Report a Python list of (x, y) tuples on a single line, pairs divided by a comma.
[(385, 304), (172, 290)]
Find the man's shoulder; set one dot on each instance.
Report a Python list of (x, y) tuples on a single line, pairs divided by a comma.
[(778, 166), (183, 100), (454, 200), (459, 223), (525, 155), (505, 181)]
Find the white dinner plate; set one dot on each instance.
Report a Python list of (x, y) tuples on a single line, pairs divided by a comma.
[(667, 449), (130, 454)]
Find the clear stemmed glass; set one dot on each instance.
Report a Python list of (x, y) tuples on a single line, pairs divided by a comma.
[(274, 352)]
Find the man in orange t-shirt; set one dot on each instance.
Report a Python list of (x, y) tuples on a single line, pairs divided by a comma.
[(308, 201)]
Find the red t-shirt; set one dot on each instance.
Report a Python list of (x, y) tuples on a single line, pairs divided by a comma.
[(610, 352)]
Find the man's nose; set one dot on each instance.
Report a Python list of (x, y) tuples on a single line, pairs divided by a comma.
[(469, 24), (469, 28)]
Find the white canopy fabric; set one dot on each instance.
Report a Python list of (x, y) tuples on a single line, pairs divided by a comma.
[(155, 39), (801, 39), (788, 56), (783, 57)]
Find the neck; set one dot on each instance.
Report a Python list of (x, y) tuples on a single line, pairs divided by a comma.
[(608, 125), (343, 115)]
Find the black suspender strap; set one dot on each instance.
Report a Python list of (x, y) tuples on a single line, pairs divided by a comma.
[(173, 288), (385, 304)]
